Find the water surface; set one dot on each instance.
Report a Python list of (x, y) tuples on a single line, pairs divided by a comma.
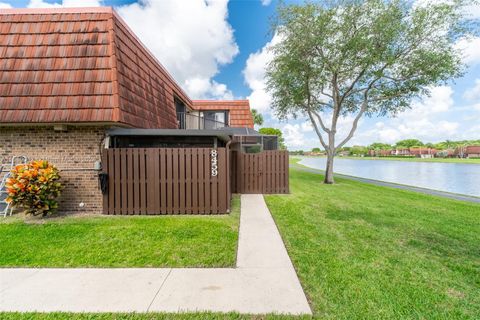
[(450, 177)]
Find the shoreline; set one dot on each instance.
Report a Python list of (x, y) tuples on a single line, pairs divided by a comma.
[(444, 194), (431, 160)]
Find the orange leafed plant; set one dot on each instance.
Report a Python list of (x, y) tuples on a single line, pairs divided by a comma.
[(34, 186)]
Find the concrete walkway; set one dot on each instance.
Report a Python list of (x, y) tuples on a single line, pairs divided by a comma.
[(444, 194), (264, 281)]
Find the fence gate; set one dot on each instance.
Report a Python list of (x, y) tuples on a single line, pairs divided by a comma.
[(264, 172), (166, 181)]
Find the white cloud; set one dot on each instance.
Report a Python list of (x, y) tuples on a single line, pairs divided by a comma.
[(473, 11), (190, 41), (473, 93), (440, 100), (4, 5), (306, 127), (64, 3), (198, 87), (293, 135), (425, 121), (254, 75), (470, 49), (266, 2)]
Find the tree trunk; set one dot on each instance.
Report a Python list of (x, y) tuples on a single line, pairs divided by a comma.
[(329, 169)]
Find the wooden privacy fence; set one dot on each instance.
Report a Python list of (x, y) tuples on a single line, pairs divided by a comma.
[(264, 172), (166, 181)]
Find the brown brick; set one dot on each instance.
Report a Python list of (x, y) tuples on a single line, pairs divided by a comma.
[(74, 152)]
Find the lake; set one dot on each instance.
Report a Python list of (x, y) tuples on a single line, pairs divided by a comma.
[(451, 177)]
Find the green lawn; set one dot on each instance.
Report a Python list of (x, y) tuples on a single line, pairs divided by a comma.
[(369, 252), (121, 241), (446, 160)]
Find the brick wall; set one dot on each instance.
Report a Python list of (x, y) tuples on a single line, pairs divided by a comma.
[(73, 151)]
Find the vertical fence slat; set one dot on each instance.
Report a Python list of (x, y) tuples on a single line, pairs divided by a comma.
[(201, 182), (124, 181), (163, 180), (195, 200), (143, 181), (188, 181), (136, 182), (213, 185), (207, 175), (129, 168), (118, 183), (181, 180), (150, 175), (222, 181), (175, 181), (169, 169)]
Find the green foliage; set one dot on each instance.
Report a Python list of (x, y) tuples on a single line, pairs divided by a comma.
[(274, 132), (34, 186), (257, 117), (358, 151), (448, 144), (316, 150), (409, 143), (379, 146)]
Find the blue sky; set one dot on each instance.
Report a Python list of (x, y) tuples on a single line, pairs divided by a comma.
[(218, 50)]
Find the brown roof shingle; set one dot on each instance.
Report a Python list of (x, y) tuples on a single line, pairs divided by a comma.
[(80, 65)]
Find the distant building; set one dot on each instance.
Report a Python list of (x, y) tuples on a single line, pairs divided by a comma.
[(402, 152), (468, 152), (448, 153), (423, 152), (381, 153)]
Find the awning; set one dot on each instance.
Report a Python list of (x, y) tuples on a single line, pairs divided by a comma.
[(220, 134)]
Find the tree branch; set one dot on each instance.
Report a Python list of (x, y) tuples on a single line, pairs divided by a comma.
[(362, 111), (324, 128), (319, 134), (354, 126), (350, 88)]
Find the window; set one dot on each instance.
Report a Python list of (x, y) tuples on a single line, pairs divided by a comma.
[(181, 109), (215, 119)]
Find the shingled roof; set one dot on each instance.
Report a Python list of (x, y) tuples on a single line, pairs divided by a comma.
[(239, 110), (77, 65)]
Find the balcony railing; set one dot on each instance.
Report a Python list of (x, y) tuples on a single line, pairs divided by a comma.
[(193, 121)]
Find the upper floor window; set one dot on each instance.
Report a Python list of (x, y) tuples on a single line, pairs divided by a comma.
[(215, 119)]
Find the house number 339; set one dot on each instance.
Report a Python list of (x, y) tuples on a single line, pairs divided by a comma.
[(214, 162)]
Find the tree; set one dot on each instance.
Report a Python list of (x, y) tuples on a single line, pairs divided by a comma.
[(316, 150), (257, 117), (379, 146), (409, 143), (354, 58), (359, 151), (274, 132)]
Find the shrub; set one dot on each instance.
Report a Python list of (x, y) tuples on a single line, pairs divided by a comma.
[(34, 187)]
